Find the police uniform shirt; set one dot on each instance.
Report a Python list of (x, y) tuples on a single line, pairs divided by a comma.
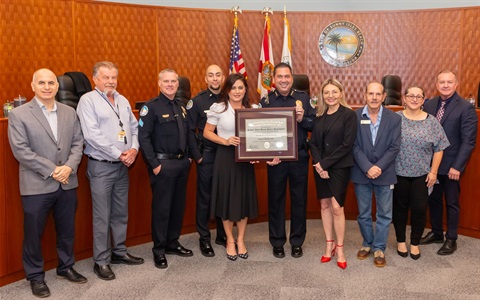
[(275, 99), (158, 129), (197, 110)]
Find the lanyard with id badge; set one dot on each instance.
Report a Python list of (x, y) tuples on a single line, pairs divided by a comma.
[(122, 136)]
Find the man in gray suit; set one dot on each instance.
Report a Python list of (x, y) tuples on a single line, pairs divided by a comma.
[(111, 144), (46, 139), (374, 151)]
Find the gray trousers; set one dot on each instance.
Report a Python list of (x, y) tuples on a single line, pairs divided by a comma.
[(109, 187)]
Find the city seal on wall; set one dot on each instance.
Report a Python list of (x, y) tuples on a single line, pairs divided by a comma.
[(341, 43)]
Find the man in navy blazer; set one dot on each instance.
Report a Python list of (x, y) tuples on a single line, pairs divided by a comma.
[(459, 120), (374, 151)]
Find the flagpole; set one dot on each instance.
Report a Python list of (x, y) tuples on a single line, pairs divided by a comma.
[(236, 10)]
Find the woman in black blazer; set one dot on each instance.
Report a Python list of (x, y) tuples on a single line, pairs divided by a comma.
[(331, 146)]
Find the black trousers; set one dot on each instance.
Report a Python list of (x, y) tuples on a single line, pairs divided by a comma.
[(296, 173), (410, 195), (451, 190), (36, 209), (169, 190), (204, 197)]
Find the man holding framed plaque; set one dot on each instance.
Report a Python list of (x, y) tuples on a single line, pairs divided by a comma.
[(296, 172)]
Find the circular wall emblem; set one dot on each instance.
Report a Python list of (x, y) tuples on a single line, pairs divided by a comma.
[(341, 43)]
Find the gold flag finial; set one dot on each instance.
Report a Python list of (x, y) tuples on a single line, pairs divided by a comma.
[(236, 10)]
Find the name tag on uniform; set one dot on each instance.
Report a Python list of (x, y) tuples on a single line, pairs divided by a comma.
[(165, 116), (206, 111), (367, 122)]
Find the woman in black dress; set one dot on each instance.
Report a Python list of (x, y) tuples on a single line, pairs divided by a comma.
[(234, 192), (331, 146)]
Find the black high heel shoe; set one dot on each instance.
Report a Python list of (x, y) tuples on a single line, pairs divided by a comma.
[(231, 257), (402, 254), (243, 255)]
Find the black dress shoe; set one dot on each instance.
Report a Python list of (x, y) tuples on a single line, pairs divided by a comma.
[(206, 249), (180, 251), (103, 272), (127, 259), (72, 275), (448, 247), (431, 238), (222, 241), (160, 261), (39, 289), (297, 251), (278, 252)]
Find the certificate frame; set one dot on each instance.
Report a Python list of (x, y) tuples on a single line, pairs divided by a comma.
[(287, 136)]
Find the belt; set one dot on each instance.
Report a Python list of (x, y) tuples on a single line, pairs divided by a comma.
[(169, 156), (105, 161), (209, 149)]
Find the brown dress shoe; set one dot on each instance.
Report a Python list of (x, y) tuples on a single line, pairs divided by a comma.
[(363, 253), (379, 259)]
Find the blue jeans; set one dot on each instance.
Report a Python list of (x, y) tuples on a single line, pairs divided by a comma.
[(384, 203)]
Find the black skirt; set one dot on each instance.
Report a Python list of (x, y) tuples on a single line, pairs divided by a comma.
[(234, 190), (336, 186)]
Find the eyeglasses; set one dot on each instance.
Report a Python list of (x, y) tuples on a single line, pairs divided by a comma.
[(411, 97)]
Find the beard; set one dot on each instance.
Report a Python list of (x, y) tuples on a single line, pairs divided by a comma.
[(215, 89)]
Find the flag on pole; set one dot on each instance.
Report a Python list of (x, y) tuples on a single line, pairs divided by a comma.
[(237, 65), (287, 42), (265, 66)]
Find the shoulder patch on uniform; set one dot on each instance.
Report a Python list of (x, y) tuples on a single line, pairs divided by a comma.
[(313, 102), (189, 104), (144, 111)]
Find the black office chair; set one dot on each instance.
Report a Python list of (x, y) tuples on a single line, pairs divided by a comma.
[(393, 88), (183, 93), (301, 83), (72, 86)]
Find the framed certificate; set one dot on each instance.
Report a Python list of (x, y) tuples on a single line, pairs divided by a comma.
[(266, 133)]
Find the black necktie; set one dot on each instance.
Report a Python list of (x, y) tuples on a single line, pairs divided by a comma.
[(181, 130)]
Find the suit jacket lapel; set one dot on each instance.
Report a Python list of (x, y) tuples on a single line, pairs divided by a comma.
[(38, 114), (60, 123), (450, 107), (383, 124)]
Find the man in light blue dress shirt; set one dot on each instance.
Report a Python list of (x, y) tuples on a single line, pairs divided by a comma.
[(374, 152), (111, 144)]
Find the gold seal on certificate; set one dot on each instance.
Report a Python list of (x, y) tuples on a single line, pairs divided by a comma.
[(299, 103)]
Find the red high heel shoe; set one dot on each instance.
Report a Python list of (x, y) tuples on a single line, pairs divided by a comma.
[(324, 258), (341, 264)]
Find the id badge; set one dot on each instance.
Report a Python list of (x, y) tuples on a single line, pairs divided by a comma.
[(121, 136)]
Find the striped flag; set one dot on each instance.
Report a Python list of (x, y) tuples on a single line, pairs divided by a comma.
[(287, 42), (265, 65), (237, 65)]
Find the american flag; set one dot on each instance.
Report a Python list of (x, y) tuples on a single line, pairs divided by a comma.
[(237, 65)]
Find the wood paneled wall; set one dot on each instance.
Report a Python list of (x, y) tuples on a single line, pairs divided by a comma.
[(71, 35)]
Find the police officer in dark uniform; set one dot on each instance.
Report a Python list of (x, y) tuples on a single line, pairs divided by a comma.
[(204, 155), (165, 141), (296, 172)]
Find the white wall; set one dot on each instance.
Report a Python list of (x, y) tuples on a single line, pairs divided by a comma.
[(310, 5)]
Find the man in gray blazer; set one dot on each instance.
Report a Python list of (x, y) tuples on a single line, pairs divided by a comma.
[(374, 151), (46, 139)]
